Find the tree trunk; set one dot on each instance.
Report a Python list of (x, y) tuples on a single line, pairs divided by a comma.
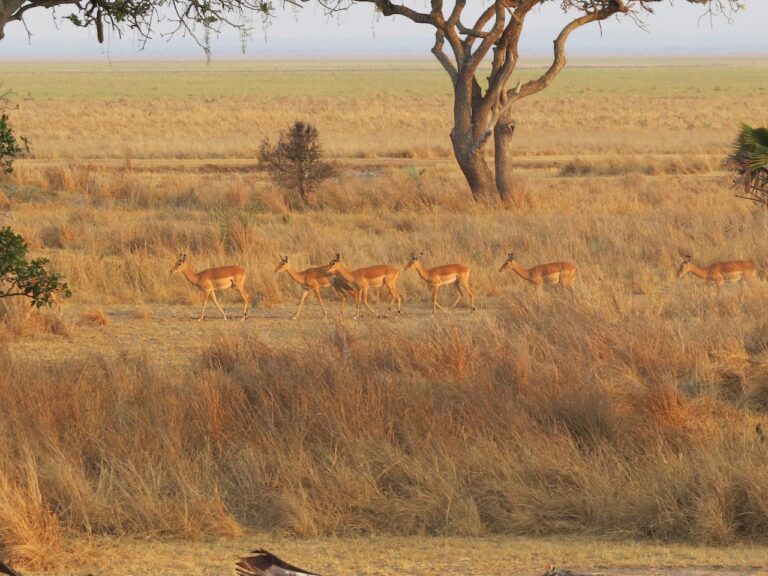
[(502, 139), (475, 169)]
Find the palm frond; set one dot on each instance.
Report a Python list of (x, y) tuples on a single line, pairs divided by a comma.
[(749, 154)]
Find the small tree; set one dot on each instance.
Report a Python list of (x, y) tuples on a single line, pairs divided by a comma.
[(30, 279), (295, 162), (10, 148)]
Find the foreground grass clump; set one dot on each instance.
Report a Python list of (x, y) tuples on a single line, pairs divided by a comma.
[(466, 429)]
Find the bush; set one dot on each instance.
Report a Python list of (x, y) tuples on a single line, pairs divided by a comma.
[(295, 162), (29, 279), (10, 148)]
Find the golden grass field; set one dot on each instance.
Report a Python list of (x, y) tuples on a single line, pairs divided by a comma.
[(612, 429)]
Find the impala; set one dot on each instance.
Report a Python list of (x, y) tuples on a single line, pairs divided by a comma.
[(212, 279), (314, 279), (363, 279), (719, 272), (552, 273), (456, 274)]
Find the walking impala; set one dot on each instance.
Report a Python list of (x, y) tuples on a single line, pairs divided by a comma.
[(371, 277), (212, 279), (719, 272), (314, 279), (456, 274), (552, 273)]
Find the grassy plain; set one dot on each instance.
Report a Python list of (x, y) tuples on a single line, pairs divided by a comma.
[(624, 414)]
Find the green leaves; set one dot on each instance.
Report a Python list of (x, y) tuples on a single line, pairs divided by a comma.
[(750, 150), (10, 148), (29, 279)]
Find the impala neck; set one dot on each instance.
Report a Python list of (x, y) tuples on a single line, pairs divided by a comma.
[(344, 272), (520, 271), (420, 270), (190, 275), (297, 276), (700, 272)]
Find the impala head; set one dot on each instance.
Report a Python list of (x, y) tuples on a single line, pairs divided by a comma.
[(508, 261), (283, 264), (180, 263), (685, 265), (413, 259), (333, 265)]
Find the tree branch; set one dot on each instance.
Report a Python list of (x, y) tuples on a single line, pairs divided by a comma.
[(442, 57), (389, 9), (609, 8)]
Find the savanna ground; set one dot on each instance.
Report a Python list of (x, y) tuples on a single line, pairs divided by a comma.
[(612, 429)]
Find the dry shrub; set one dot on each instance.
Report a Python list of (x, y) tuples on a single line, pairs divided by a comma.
[(18, 318), (463, 429), (94, 317), (29, 529)]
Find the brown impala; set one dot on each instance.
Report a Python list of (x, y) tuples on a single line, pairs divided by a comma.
[(363, 279), (212, 279), (314, 279), (729, 272), (552, 273), (456, 274)]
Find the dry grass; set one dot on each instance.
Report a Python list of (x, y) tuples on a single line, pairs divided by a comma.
[(532, 424), (626, 410)]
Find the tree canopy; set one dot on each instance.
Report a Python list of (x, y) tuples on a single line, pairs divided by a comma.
[(30, 279)]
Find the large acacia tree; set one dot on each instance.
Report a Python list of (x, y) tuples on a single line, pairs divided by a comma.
[(482, 108)]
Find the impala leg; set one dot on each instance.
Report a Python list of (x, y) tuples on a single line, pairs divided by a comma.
[(394, 298), (365, 299), (458, 296), (301, 303), (435, 303), (205, 301), (342, 299), (316, 290), (246, 300), (215, 301), (471, 294)]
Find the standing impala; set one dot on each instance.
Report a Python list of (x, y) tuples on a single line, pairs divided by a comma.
[(371, 277), (456, 274), (719, 272), (552, 273), (314, 279), (212, 279)]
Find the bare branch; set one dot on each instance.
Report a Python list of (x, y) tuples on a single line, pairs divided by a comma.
[(609, 8), (389, 9), (442, 57)]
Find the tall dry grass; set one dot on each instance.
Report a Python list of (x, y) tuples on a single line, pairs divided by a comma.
[(555, 418)]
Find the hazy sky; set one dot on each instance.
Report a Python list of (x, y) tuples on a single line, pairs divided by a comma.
[(676, 30)]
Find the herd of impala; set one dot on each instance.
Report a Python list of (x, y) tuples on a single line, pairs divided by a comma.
[(357, 283)]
